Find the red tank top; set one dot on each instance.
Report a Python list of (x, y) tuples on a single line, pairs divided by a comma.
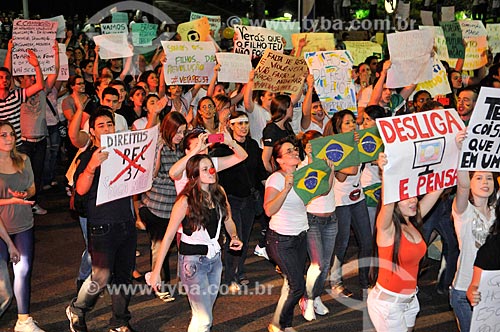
[(403, 279)]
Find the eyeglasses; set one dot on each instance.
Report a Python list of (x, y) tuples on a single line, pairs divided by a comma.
[(290, 151), (5, 135)]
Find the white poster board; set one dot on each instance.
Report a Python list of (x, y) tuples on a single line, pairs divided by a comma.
[(439, 84), (61, 25), (255, 40), (426, 16), (113, 46), (448, 13), (493, 31), (486, 315), (439, 41), (234, 67), (130, 164), (109, 28), (421, 153), (286, 29), (63, 74)]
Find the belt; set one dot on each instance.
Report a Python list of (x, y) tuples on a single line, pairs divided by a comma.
[(387, 295), (33, 139)]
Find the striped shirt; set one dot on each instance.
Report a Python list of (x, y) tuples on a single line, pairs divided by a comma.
[(10, 110)]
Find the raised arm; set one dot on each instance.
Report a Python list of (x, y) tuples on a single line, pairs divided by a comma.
[(384, 224), (51, 79), (96, 63), (239, 153), (379, 87), (178, 168), (213, 81), (86, 178), (247, 96), (305, 122), (40, 83), (463, 181), (78, 137), (127, 65)]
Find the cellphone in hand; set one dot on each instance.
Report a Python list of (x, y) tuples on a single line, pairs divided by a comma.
[(215, 138)]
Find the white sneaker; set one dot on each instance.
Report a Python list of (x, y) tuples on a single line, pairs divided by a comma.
[(319, 307), (260, 252), (307, 309), (37, 209), (28, 325)]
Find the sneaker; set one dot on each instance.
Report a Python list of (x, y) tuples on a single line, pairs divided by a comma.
[(165, 297), (319, 307), (37, 209), (307, 309), (234, 288), (76, 324), (261, 252), (125, 328), (340, 290), (28, 325)]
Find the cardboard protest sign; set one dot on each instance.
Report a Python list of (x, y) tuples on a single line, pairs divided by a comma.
[(119, 17), (481, 148), (194, 31), (213, 20), (286, 29), (277, 72), (312, 180), (108, 28), (421, 153), (360, 50), (486, 315), (332, 78), (188, 62), (38, 36), (426, 17), (316, 41), (453, 34), (369, 144), (63, 74), (493, 31), (113, 46), (410, 67), (448, 13), (61, 25), (439, 41), (234, 67), (340, 148), (130, 164), (143, 34), (474, 34), (439, 85), (255, 40)]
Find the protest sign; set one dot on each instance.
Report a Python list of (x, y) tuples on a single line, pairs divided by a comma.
[(113, 46), (255, 40), (61, 25), (63, 74), (486, 315), (340, 149), (279, 73), (286, 29), (426, 17), (439, 85), (421, 153), (403, 10), (38, 36), (143, 34), (411, 60), (188, 62), (369, 144), (108, 28), (332, 78), (453, 34), (194, 31), (317, 41), (481, 148), (118, 17), (448, 13), (474, 34), (213, 20), (130, 164), (311, 180), (234, 67), (360, 50), (493, 31), (439, 41)]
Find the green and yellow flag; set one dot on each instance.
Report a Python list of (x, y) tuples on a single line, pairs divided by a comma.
[(369, 145), (372, 194), (312, 180), (340, 148)]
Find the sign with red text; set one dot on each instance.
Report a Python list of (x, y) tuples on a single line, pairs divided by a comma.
[(486, 315), (255, 40), (188, 62), (421, 153), (38, 36), (130, 164), (481, 148)]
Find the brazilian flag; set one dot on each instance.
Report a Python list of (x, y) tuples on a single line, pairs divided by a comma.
[(369, 145), (372, 194), (340, 148), (312, 180)]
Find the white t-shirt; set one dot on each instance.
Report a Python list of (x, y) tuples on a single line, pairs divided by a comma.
[(140, 123), (350, 191), (364, 96), (297, 115), (314, 126), (370, 175), (291, 218), (258, 120), (472, 229)]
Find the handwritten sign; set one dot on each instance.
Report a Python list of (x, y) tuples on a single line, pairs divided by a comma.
[(143, 34), (38, 36), (360, 50), (286, 29), (213, 20), (129, 167), (439, 41), (474, 35), (481, 148), (332, 78), (277, 72), (439, 85), (113, 46), (426, 16), (119, 17), (63, 74), (194, 31), (421, 153), (448, 13), (108, 28), (453, 34), (410, 67), (493, 31), (234, 67), (486, 315), (188, 62), (319, 41), (255, 40), (61, 25)]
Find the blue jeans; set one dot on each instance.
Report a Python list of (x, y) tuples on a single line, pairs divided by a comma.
[(36, 152), (243, 213), (320, 243), (357, 215), (22, 272), (53, 144), (289, 252), (461, 308), (85, 263), (200, 278)]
